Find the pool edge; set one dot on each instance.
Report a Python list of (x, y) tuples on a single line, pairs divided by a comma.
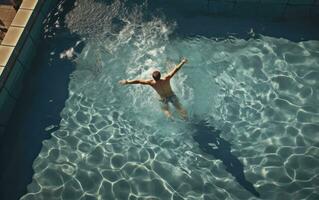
[(17, 50)]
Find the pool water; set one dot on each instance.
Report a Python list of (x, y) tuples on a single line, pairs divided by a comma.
[(252, 105)]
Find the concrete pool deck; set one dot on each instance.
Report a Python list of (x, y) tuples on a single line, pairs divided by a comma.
[(7, 13)]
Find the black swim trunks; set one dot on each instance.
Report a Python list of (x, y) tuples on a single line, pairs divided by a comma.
[(173, 99)]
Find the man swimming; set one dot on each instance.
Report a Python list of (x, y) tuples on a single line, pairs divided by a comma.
[(163, 88)]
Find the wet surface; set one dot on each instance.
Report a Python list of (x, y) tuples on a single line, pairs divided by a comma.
[(113, 142)]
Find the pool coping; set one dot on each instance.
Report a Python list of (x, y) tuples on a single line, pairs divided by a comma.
[(17, 50), (7, 13)]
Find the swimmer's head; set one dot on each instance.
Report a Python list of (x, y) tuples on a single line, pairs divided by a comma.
[(156, 75)]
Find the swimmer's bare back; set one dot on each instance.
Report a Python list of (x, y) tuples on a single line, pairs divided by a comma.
[(161, 85)]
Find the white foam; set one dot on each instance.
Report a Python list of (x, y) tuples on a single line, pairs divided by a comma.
[(69, 54)]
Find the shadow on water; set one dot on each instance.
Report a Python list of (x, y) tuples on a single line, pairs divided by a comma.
[(39, 105), (210, 142)]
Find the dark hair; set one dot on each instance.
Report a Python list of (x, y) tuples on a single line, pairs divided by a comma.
[(156, 75)]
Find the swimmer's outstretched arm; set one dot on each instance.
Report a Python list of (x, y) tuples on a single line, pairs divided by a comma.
[(137, 81), (176, 68)]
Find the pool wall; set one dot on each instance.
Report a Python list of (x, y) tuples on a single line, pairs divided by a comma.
[(270, 9), (17, 50), (289, 9)]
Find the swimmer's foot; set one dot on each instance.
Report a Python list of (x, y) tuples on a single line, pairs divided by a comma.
[(183, 114), (185, 118), (169, 116)]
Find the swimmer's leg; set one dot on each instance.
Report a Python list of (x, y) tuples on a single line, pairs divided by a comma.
[(182, 112), (166, 111)]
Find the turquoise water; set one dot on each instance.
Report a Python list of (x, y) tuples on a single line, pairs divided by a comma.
[(114, 142)]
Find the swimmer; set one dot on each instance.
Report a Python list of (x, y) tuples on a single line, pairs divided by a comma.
[(163, 87)]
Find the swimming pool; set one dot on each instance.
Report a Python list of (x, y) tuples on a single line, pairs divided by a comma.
[(252, 103)]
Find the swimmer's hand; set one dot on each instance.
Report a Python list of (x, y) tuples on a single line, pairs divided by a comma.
[(184, 60), (123, 82)]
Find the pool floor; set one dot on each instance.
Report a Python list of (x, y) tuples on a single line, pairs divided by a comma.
[(250, 88)]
